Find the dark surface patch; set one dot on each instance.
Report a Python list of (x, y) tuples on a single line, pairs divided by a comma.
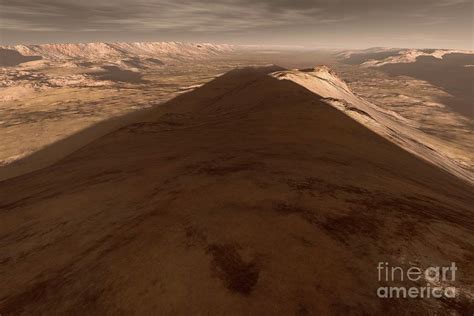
[(233, 168), (225, 165), (349, 107), (302, 311), (332, 161), (114, 73), (114, 243), (9, 58), (155, 61), (356, 224), (237, 275), (39, 291), (428, 50), (106, 176), (33, 198), (194, 236), (133, 62), (16, 303), (305, 242), (47, 289), (285, 208), (123, 236), (354, 109), (342, 309), (167, 122), (315, 186), (85, 64)]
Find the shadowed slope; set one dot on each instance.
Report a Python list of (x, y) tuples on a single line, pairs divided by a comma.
[(324, 82), (10, 58), (247, 196)]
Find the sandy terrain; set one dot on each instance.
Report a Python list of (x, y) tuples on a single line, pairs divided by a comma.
[(268, 191), (434, 95), (250, 195)]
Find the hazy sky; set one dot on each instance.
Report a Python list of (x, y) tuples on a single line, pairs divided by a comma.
[(317, 23)]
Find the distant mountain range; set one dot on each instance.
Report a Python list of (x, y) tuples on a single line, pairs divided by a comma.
[(98, 51)]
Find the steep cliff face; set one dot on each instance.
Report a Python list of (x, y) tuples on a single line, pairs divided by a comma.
[(324, 82)]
